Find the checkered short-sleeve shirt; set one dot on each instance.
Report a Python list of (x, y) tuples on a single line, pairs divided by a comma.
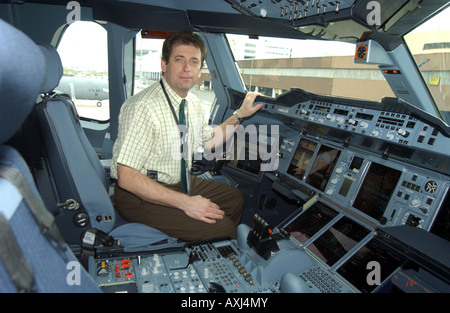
[(149, 137)]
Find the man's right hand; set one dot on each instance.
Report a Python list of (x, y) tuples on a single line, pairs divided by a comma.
[(196, 207), (202, 209)]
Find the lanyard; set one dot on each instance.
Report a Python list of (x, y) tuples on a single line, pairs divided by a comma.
[(171, 106), (183, 143)]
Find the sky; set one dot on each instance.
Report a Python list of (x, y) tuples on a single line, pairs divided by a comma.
[(84, 46)]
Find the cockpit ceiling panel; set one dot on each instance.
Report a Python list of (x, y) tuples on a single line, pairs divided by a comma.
[(290, 10)]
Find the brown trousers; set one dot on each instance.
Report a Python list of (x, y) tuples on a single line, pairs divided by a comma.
[(175, 222)]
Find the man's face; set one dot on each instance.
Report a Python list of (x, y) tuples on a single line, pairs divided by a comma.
[(183, 69)]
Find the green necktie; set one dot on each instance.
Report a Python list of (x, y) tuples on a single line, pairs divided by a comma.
[(182, 118)]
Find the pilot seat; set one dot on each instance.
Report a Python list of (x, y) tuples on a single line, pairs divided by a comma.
[(74, 171), (33, 256)]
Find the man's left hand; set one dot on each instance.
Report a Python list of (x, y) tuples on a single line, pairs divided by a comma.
[(248, 107)]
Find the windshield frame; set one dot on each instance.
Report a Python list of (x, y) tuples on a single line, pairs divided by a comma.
[(433, 72)]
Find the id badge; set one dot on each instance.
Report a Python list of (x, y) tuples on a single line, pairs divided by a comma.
[(188, 180), (185, 153)]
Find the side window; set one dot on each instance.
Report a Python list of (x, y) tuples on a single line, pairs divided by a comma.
[(84, 54), (147, 62), (148, 71)]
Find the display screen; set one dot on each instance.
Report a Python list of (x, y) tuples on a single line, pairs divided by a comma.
[(310, 222), (245, 157), (336, 241), (340, 112), (364, 116), (441, 224), (356, 164), (302, 158), (355, 269), (322, 168), (346, 184), (376, 190)]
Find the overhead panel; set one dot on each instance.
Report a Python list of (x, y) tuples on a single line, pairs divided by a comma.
[(290, 10)]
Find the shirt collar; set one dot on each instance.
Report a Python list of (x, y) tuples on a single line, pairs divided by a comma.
[(174, 97)]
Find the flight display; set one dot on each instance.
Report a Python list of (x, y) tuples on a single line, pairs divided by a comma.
[(302, 158), (355, 269), (337, 240), (323, 166), (311, 221), (376, 190), (441, 225), (245, 156)]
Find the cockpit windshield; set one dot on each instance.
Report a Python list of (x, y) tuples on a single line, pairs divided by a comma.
[(429, 45), (273, 65)]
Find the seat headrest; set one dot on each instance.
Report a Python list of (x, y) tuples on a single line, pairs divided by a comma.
[(54, 68), (22, 67)]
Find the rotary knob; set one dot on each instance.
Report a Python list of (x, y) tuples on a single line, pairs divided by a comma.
[(353, 122), (403, 132)]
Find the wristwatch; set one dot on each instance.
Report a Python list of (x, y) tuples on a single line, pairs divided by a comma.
[(235, 113)]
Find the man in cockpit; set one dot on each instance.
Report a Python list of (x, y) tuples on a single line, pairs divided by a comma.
[(147, 163)]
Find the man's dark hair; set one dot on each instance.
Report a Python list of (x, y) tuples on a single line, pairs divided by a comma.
[(185, 38)]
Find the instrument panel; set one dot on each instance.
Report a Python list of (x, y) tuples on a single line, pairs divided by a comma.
[(353, 183), (321, 250), (385, 191), (386, 167)]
